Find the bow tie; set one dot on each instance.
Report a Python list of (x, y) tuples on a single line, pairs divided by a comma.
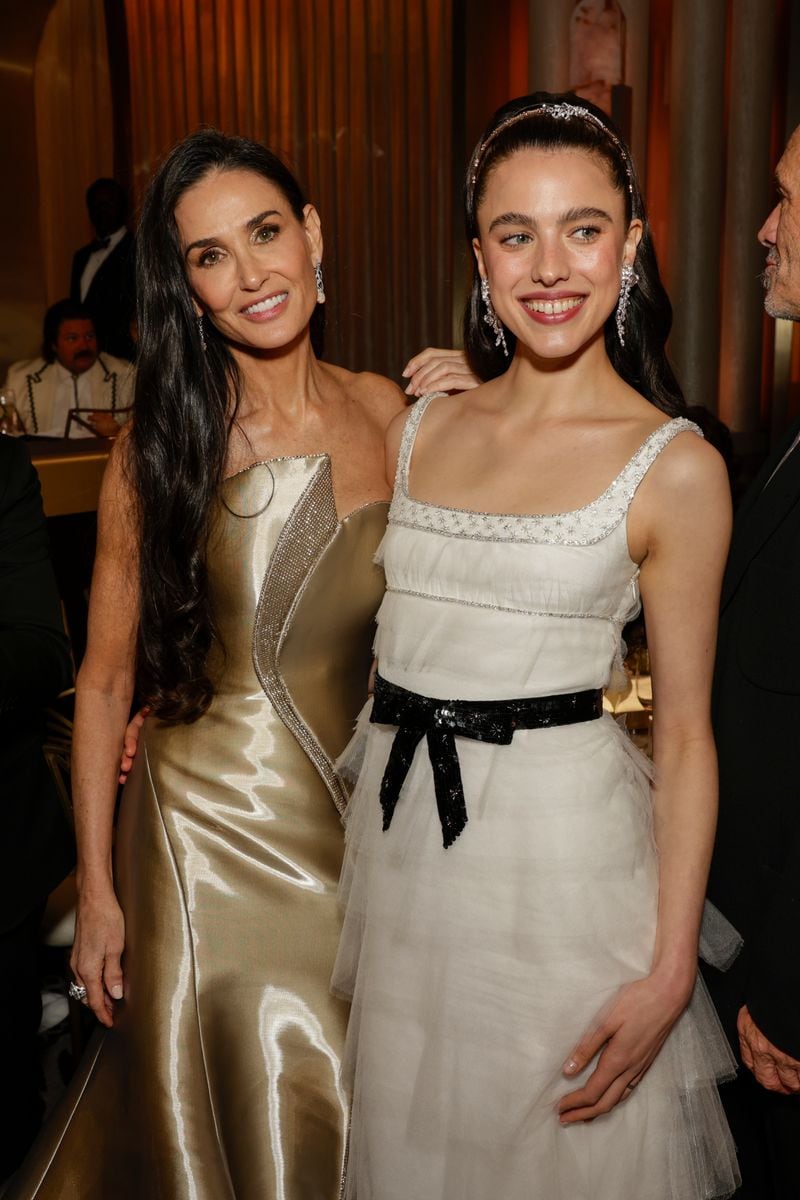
[(99, 244)]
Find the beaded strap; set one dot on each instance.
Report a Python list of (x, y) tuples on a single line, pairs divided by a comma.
[(578, 527), (410, 428)]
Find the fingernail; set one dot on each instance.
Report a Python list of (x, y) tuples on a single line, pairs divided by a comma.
[(406, 373), (116, 991), (409, 390), (570, 1066)]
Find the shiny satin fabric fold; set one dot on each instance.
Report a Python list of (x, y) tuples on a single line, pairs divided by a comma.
[(440, 721), (221, 1077)]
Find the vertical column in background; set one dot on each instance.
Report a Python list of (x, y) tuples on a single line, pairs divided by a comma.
[(747, 199), (549, 48), (637, 75), (548, 45), (697, 153)]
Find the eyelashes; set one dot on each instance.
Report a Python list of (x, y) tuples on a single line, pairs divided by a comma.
[(582, 233), (260, 237)]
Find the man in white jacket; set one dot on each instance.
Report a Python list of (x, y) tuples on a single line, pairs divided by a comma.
[(71, 374)]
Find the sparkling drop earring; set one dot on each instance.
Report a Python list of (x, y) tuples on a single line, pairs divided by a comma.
[(202, 332), (491, 318), (320, 282), (628, 280)]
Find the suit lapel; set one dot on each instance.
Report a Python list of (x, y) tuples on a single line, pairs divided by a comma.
[(762, 510)]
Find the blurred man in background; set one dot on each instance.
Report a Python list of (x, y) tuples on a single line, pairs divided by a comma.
[(71, 373), (103, 271)]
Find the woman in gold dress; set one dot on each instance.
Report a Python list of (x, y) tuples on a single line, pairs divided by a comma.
[(234, 579)]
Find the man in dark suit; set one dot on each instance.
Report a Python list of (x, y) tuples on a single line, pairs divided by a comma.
[(755, 873), (103, 272), (36, 850)]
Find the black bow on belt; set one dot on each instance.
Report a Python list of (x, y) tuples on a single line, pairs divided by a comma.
[(441, 720)]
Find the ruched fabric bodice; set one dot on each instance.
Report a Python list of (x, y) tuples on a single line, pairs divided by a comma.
[(220, 1079)]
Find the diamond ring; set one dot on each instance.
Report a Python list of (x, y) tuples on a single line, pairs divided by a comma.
[(77, 992)]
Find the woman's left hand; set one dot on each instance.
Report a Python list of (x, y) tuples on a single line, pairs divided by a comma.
[(629, 1037), (437, 370)]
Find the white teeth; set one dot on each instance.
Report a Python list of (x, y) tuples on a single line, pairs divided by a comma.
[(553, 307), (266, 305)]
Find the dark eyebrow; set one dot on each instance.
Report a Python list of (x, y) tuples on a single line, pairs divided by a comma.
[(512, 218), (253, 223), (574, 214), (585, 214), (256, 221)]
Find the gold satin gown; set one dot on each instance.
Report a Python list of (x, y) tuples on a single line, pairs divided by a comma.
[(220, 1079)]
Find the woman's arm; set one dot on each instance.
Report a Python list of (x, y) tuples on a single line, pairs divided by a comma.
[(679, 528), (104, 694)]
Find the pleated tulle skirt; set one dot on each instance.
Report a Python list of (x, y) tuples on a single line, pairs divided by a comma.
[(475, 970)]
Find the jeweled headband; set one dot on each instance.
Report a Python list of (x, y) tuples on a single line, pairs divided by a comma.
[(562, 112)]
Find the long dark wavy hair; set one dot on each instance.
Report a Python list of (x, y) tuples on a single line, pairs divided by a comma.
[(187, 399), (642, 361)]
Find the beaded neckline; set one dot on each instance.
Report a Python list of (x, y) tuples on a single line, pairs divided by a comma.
[(580, 526)]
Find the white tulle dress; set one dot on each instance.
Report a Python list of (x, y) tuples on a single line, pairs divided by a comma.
[(474, 970)]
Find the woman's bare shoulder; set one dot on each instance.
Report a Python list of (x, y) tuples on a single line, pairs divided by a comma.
[(375, 393)]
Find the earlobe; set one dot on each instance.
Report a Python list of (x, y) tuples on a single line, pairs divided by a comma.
[(476, 250), (635, 232), (313, 230)]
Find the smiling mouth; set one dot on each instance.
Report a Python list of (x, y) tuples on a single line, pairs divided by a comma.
[(553, 308), (264, 306)]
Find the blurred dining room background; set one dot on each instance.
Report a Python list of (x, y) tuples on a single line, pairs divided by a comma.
[(376, 103)]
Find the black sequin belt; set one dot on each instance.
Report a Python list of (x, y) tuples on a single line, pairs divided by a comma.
[(440, 721)]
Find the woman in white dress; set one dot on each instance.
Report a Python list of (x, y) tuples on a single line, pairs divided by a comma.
[(522, 905)]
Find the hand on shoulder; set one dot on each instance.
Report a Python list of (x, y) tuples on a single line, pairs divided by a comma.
[(434, 369)]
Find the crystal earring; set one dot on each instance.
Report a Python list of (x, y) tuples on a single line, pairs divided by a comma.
[(320, 282), (202, 332), (491, 318), (628, 280)]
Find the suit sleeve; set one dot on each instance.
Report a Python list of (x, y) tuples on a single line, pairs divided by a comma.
[(78, 263), (35, 661), (773, 983), (773, 980)]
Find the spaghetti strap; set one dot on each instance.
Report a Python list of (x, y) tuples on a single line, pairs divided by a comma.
[(407, 441)]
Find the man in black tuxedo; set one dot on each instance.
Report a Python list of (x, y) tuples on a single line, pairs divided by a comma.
[(755, 873), (36, 850), (103, 272)]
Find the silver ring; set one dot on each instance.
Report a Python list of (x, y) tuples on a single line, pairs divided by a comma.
[(77, 992)]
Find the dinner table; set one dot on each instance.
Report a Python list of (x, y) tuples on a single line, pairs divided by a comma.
[(70, 471)]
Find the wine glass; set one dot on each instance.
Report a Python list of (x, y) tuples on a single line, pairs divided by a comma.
[(10, 420)]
